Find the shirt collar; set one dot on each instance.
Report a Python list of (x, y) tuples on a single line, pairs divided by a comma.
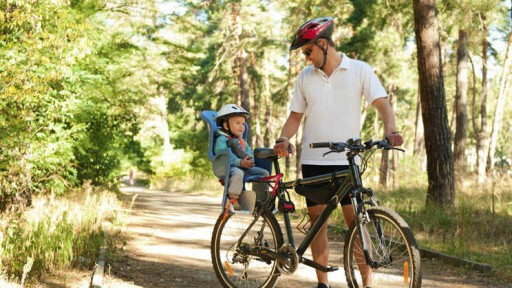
[(345, 62), (344, 65)]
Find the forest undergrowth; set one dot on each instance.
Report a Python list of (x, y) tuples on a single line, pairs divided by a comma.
[(56, 233)]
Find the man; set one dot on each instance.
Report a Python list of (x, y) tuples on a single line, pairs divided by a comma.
[(330, 93)]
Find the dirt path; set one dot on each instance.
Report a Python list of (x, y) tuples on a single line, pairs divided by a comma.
[(168, 245)]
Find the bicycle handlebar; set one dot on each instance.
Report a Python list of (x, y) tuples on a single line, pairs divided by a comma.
[(354, 145), (321, 145)]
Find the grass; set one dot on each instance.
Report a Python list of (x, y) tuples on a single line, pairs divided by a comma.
[(477, 228), (55, 233)]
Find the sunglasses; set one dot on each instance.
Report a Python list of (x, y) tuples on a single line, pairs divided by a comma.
[(308, 51)]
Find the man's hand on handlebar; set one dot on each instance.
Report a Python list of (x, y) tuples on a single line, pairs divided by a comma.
[(395, 139), (283, 147)]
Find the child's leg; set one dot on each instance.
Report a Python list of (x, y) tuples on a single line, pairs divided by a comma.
[(256, 171), (260, 188), (236, 184)]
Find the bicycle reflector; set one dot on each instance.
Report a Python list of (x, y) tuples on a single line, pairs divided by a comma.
[(406, 272), (286, 206), (230, 272)]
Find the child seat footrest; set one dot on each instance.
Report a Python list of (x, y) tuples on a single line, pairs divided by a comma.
[(247, 200)]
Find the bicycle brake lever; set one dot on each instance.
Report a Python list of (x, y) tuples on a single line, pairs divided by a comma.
[(388, 146), (328, 153), (399, 149)]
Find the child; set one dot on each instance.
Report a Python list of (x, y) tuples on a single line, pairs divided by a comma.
[(231, 123)]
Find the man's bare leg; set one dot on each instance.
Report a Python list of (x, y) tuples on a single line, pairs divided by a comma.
[(320, 244)]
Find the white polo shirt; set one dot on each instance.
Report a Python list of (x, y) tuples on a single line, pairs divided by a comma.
[(332, 106)]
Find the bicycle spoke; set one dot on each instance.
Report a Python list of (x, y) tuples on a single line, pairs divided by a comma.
[(233, 262), (391, 247)]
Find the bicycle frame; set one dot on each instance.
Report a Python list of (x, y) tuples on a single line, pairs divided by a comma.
[(250, 249), (352, 184)]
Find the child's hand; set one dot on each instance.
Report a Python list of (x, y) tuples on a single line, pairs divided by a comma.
[(247, 162)]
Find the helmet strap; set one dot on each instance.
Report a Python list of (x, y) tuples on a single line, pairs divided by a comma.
[(227, 129), (325, 53)]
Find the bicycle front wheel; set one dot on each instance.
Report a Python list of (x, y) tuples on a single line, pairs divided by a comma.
[(391, 246), (234, 260)]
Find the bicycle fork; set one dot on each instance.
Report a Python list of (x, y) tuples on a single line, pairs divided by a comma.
[(361, 217)]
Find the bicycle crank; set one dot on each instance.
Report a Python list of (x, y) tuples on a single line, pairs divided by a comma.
[(291, 262)]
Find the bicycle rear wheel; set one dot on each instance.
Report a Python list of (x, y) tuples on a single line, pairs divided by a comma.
[(391, 245), (233, 263)]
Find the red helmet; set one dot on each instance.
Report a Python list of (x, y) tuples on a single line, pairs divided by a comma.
[(310, 31)]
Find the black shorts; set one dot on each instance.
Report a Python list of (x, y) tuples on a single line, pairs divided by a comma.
[(315, 170)]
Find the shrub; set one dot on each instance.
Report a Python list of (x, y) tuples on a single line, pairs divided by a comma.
[(56, 233)]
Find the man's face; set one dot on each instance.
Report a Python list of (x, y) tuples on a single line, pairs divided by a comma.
[(307, 50), (313, 53)]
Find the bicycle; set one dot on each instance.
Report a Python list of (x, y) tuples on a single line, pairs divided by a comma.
[(248, 250)]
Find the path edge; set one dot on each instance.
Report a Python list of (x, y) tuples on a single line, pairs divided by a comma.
[(99, 269)]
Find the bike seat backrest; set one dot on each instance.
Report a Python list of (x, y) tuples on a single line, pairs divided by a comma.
[(210, 117), (261, 155)]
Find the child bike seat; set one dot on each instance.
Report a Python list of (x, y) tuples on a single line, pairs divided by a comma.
[(220, 161)]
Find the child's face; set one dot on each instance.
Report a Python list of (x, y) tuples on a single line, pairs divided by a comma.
[(236, 125)]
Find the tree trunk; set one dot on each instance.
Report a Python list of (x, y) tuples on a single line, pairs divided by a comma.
[(394, 157), (441, 189), (498, 114), (419, 140), (293, 67), (384, 160), (473, 104), (385, 167), (266, 101), (244, 90), (161, 106), (257, 104), (481, 132), (298, 137), (243, 77), (461, 106)]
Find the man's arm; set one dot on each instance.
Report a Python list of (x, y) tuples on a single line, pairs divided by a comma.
[(388, 118), (289, 129)]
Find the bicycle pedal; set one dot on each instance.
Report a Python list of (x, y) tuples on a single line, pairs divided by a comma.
[(332, 268)]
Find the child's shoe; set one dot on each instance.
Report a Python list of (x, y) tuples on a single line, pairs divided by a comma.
[(235, 204)]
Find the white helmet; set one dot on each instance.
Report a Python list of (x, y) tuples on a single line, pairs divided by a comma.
[(230, 110)]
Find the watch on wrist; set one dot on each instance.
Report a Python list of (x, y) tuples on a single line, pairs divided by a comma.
[(281, 139)]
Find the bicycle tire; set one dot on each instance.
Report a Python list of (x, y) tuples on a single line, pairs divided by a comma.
[(399, 257), (235, 268)]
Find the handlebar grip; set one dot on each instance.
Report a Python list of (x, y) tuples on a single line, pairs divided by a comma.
[(320, 145)]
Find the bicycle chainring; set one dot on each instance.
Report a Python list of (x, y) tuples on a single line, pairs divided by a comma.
[(292, 262)]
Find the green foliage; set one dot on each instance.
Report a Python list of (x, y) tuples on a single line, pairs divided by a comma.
[(54, 59), (39, 42)]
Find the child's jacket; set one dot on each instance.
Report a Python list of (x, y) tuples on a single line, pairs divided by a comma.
[(221, 143)]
